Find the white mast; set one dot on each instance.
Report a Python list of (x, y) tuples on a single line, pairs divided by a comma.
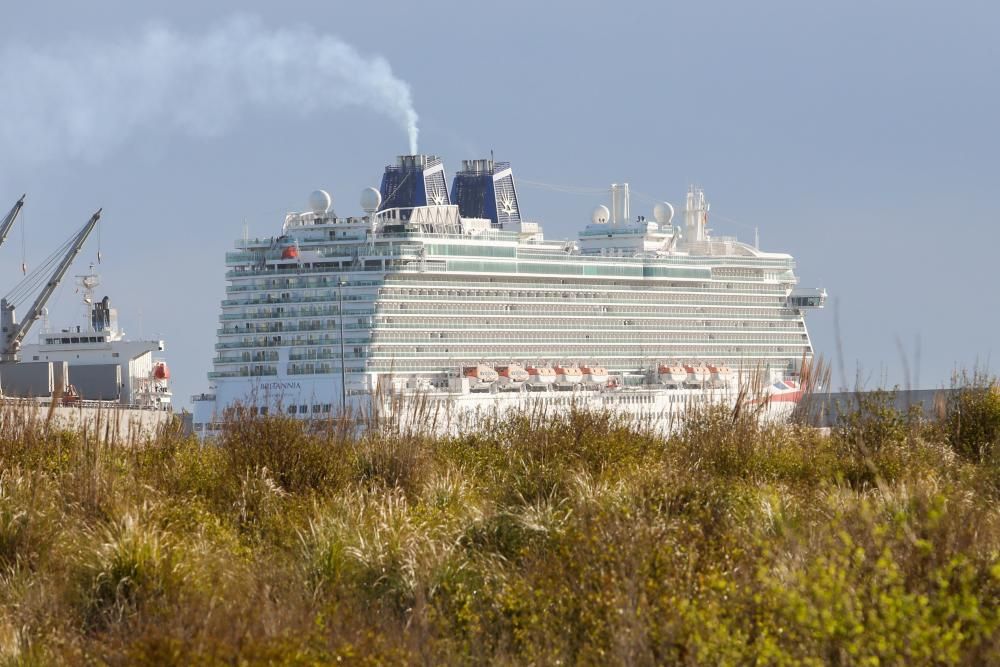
[(696, 215)]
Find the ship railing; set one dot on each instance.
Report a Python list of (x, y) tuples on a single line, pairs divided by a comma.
[(291, 314), (324, 341), (284, 329), (314, 282), (278, 301), (658, 296), (555, 342), (110, 405), (297, 269), (236, 374)]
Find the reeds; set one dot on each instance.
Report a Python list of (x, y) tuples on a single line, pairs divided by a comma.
[(535, 538)]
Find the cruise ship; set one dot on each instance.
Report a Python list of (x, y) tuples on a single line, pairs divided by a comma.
[(451, 298)]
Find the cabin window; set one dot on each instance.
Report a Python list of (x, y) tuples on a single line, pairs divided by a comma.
[(292, 409), (114, 354), (35, 358)]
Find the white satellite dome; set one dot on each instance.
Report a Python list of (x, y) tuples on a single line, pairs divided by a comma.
[(601, 215), (663, 213), (370, 200), (319, 202)]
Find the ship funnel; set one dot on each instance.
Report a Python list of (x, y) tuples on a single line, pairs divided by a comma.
[(620, 200), (415, 180), (485, 189)]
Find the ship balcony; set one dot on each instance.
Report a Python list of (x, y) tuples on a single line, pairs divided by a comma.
[(278, 301), (309, 282), (424, 346), (243, 372), (272, 329), (293, 313), (323, 341)]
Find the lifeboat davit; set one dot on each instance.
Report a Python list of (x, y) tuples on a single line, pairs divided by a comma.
[(698, 374), (161, 371), (480, 373), (595, 374), (541, 374), (513, 375), (569, 374), (672, 373), (722, 374)]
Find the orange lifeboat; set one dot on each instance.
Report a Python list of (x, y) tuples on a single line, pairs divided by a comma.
[(698, 374), (569, 374), (595, 374), (290, 252), (672, 373), (161, 371), (541, 374), (513, 375), (481, 374)]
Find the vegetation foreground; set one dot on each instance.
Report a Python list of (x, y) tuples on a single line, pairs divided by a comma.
[(575, 539)]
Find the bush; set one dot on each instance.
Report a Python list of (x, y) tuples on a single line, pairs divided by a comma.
[(536, 539), (973, 419)]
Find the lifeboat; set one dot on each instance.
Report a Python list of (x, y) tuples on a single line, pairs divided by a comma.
[(480, 373), (569, 374), (512, 376), (541, 374), (161, 371), (721, 374), (698, 374), (595, 374), (672, 373)]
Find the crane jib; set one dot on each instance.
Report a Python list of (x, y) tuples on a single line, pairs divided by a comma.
[(8, 221), (12, 332)]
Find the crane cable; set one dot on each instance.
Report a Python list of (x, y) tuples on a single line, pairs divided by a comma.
[(40, 275), (24, 258)]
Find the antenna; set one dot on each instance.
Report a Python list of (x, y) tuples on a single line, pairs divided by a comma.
[(756, 237)]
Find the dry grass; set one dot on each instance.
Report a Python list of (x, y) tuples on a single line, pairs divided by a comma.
[(534, 539)]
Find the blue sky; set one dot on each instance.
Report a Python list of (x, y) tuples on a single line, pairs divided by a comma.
[(860, 137)]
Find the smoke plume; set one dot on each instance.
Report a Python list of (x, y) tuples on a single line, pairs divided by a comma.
[(84, 98)]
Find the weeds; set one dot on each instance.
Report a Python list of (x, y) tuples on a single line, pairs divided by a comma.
[(536, 538)]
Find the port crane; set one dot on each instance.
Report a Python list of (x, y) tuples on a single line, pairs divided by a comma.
[(12, 332), (8, 221)]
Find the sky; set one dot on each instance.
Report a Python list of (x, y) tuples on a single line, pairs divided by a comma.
[(861, 137)]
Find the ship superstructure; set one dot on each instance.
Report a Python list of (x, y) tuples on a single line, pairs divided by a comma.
[(103, 364), (469, 303)]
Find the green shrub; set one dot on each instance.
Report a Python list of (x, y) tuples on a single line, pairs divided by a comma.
[(574, 538), (124, 566), (973, 419), (299, 460)]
